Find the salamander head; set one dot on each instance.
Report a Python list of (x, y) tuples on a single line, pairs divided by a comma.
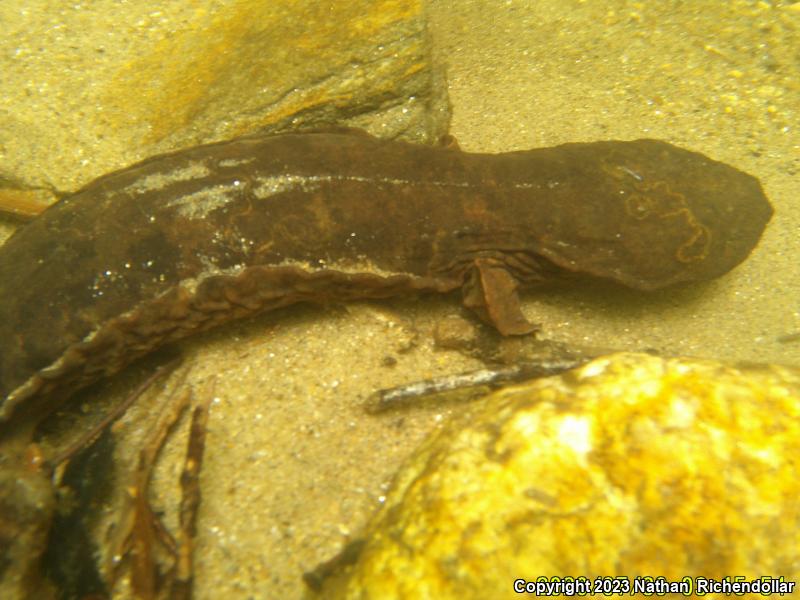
[(648, 214)]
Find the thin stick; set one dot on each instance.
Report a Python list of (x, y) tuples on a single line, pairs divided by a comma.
[(139, 526), (144, 569), (395, 397), (23, 205), (90, 436), (190, 502)]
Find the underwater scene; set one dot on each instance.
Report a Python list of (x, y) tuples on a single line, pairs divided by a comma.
[(399, 298)]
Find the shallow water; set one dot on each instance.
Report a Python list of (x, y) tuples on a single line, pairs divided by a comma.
[(293, 464)]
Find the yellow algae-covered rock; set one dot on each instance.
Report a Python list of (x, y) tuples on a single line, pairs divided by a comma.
[(630, 467)]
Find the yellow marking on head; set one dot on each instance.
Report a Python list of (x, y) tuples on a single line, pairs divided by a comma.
[(639, 206), (659, 200)]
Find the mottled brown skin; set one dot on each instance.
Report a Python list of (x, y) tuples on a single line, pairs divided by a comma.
[(185, 241)]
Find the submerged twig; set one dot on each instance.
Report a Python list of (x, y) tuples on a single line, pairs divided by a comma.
[(398, 396), (90, 436), (144, 567), (190, 502), (24, 204), (141, 535), (140, 529)]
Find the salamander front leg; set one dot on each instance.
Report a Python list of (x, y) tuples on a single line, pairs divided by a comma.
[(491, 291)]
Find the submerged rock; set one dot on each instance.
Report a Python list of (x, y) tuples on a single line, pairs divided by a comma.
[(631, 466), (180, 73)]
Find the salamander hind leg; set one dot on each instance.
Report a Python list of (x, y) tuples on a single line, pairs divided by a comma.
[(491, 291)]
